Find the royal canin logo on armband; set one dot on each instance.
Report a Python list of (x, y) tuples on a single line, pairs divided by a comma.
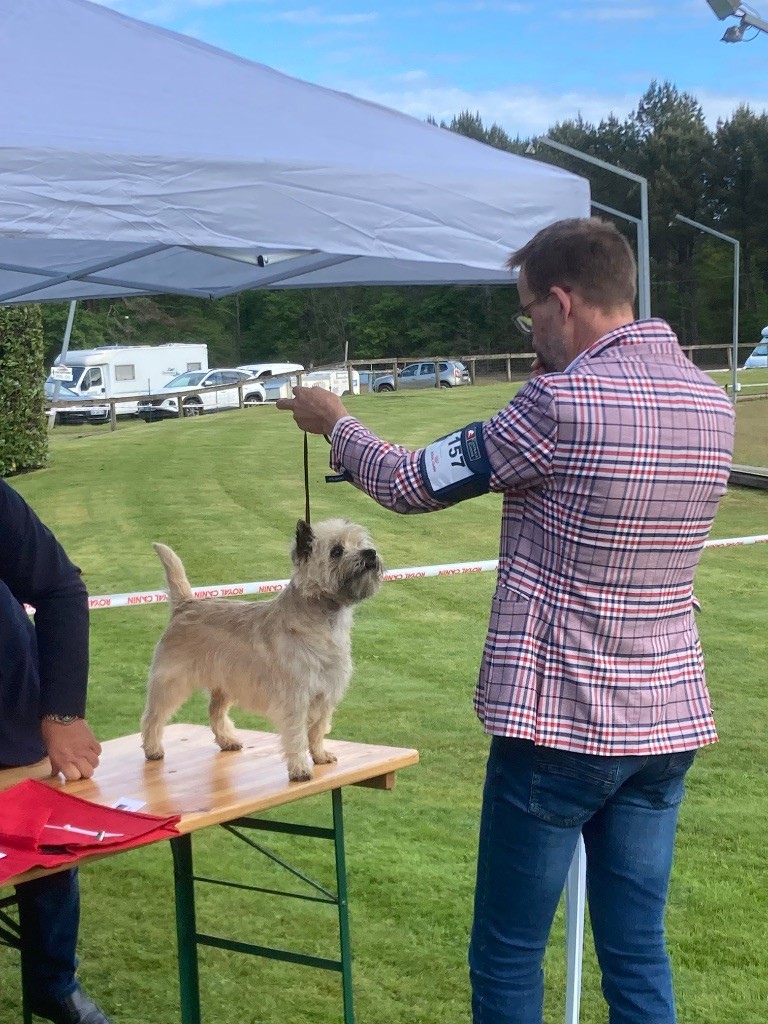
[(473, 449)]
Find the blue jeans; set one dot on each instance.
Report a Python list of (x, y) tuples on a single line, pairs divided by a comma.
[(49, 916), (536, 802)]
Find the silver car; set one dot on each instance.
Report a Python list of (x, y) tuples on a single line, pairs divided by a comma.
[(422, 375), (69, 405)]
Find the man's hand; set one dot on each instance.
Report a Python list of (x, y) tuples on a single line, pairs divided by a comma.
[(315, 410), (537, 368), (73, 749)]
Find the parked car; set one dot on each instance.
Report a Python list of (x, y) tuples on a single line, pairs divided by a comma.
[(422, 375), (69, 406), (264, 371), (161, 404), (759, 355)]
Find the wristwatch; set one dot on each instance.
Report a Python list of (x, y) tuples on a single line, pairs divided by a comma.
[(62, 719)]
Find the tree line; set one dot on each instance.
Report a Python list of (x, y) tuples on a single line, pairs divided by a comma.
[(717, 176)]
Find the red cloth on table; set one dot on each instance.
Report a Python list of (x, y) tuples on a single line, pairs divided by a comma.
[(27, 808)]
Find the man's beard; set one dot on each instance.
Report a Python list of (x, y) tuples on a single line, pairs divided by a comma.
[(554, 358)]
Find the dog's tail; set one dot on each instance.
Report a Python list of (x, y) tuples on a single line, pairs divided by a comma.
[(178, 584)]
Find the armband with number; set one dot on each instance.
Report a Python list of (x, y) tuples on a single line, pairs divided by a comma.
[(456, 466)]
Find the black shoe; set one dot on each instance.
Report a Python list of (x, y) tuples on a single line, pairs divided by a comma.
[(77, 1008)]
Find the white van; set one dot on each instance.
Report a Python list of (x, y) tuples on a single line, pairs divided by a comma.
[(263, 371), (117, 370), (759, 356), (335, 380)]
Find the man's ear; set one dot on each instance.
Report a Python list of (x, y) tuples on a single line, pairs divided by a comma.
[(565, 298), (304, 537)]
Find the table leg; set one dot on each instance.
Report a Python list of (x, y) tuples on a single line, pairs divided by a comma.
[(10, 935), (341, 882), (186, 929)]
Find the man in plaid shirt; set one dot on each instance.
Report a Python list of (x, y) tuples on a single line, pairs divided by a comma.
[(612, 461)]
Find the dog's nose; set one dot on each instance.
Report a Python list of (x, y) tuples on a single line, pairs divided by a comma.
[(370, 558)]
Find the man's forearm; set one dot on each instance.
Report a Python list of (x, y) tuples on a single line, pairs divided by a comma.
[(387, 473)]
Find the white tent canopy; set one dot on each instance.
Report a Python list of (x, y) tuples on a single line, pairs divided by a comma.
[(137, 161)]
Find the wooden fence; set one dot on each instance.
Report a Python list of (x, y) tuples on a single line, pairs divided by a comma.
[(514, 366)]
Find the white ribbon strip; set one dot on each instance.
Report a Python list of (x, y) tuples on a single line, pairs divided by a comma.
[(146, 597)]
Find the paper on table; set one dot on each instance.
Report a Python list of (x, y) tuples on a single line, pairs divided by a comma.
[(127, 803)]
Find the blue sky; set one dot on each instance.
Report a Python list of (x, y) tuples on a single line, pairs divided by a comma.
[(524, 65)]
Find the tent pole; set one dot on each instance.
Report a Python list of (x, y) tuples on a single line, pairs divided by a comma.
[(63, 357)]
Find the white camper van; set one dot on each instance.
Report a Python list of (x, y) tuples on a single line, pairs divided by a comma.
[(335, 380), (117, 370)]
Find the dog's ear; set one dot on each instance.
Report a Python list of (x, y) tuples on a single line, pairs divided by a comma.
[(304, 537)]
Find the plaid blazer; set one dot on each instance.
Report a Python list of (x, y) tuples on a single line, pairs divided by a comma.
[(611, 473)]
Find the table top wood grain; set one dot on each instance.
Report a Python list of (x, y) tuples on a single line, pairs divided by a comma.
[(207, 786)]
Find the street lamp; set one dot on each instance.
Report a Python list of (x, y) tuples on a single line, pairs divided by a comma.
[(724, 8), (641, 223), (736, 262), (747, 19)]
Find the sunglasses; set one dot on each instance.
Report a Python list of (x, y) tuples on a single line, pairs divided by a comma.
[(523, 319)]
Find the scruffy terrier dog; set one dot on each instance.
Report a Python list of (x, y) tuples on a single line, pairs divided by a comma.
[(288, 658)]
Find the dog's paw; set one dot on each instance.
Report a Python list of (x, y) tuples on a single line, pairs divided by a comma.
[(230, 744), (302, 774), (154, 755), (324, 757)]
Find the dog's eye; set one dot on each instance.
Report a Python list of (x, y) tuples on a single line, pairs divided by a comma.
[(337, 551)]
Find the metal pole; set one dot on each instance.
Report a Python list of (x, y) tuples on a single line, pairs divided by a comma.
[(186, 929), (644, 261), (755, 22), (64, 347), (736, 271), (643, 229), (575, 912), (615, 213), (343, 902)]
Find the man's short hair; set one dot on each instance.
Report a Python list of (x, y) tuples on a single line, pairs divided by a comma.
[(587, 254)]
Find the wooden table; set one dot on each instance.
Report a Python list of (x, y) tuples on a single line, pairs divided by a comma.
[(209, 787)]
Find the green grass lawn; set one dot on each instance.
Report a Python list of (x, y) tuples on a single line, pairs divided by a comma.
[(225, 491), (752, 382)]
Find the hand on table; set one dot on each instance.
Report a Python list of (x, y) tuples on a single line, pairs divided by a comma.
[(72, 749)]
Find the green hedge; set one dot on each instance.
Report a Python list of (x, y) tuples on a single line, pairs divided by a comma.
[(23, 436)]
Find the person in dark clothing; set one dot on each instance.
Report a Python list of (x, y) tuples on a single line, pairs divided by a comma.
[(43, 682)]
